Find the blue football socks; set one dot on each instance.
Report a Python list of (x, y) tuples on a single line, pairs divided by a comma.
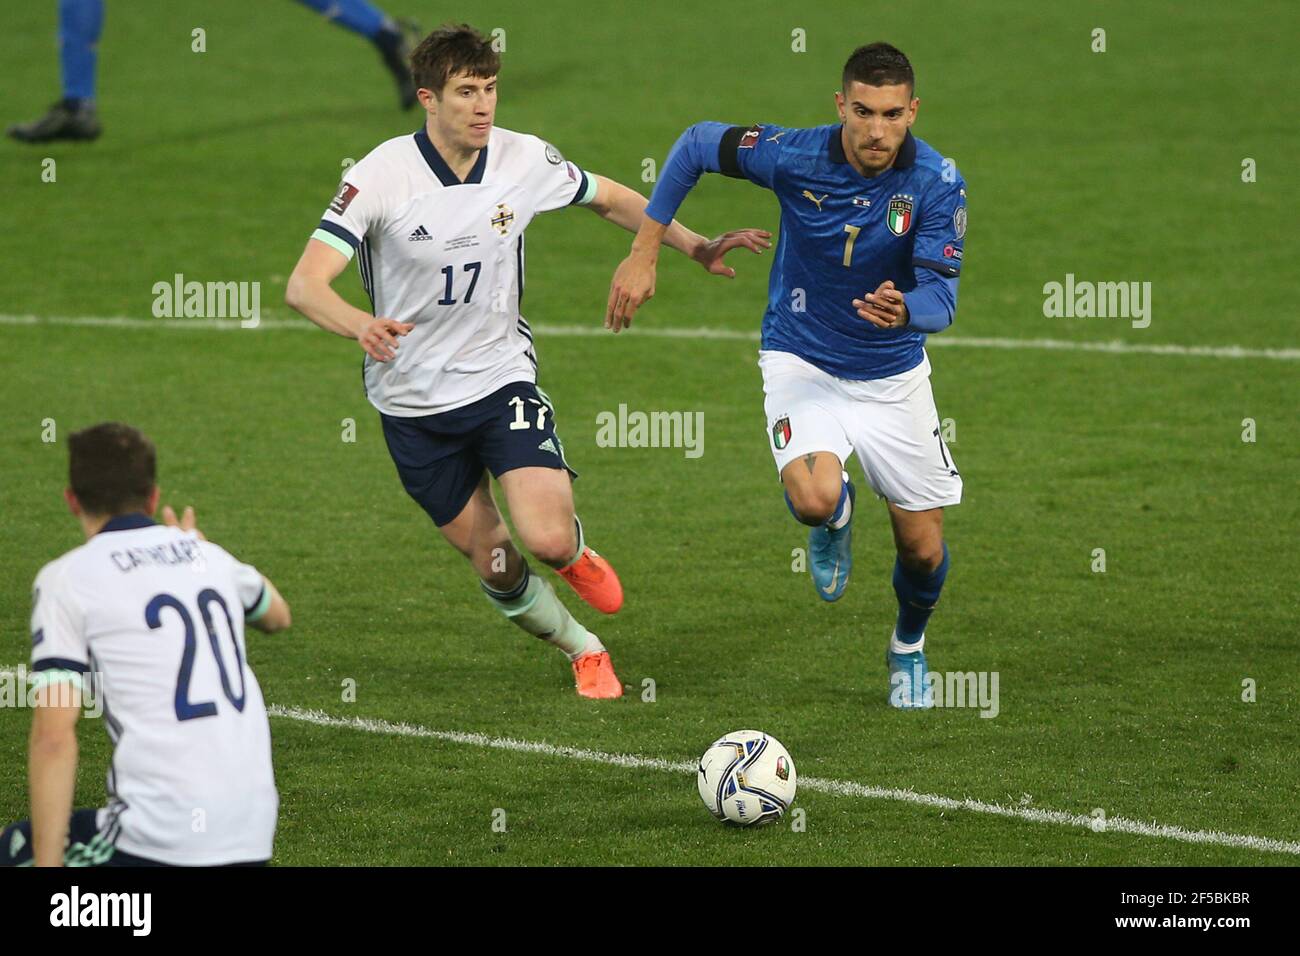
[(918, 593)]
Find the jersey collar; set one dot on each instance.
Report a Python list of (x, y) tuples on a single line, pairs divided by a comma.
[(127, 522), (905, 158), (440, 167)]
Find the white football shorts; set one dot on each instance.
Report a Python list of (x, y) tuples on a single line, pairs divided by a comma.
[(890, 423)]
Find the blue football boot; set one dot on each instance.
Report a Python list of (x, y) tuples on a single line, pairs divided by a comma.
[(908, 688), (831, 556)]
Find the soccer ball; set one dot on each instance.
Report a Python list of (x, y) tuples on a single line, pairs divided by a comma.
[(746, 778)]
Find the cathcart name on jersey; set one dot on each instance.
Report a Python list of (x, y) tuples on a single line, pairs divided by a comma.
[(184, 551), (1102, 300), (651, 430), (19, 687), (179, 299)]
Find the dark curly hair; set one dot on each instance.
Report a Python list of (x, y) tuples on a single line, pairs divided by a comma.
[(878, 64)]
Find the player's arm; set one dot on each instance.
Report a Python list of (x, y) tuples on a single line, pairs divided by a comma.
[(936, 267), (276, 616), (310, 291), (60, 659), (267, 610), (52, 762), (626, 207), (929, 307), (704, 147)]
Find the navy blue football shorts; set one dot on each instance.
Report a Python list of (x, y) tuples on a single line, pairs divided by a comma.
[(440, 458), (88, 845)]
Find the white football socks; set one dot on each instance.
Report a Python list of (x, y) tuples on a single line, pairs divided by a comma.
[(540, 612), (899, 647), (841, 518)]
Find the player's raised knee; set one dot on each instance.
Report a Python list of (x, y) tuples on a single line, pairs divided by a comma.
[(552, 546), (813, 505)]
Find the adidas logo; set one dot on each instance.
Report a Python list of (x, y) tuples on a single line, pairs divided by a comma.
[(419, 234), (548, 445)]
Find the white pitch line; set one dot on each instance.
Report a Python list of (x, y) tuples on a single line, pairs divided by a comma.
[(1113, 347), (842, 788)]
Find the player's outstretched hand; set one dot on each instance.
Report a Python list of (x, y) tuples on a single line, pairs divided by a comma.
[(632, 286), (883, 308), (710, 254), (379, 337), (187, 522)]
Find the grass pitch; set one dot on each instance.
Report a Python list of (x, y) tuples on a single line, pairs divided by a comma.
[(1119, 690)]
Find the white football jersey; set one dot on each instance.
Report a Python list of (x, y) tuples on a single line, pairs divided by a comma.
[(154, 619), (448, 256)]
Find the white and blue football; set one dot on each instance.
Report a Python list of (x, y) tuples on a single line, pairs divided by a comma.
[(746, 777)]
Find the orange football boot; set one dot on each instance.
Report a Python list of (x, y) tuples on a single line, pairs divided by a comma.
[(595, 677), (595, 581)]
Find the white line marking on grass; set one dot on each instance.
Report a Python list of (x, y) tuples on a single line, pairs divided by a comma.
[(1114, 347), (841, 788)]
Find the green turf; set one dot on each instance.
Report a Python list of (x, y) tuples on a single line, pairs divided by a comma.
[(1119, 690)]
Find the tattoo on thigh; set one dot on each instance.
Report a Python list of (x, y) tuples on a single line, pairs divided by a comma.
[(810, 460)]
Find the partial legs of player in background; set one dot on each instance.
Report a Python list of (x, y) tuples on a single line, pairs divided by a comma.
[(391, 37), (74, 116), (81, 22), (541, 504)]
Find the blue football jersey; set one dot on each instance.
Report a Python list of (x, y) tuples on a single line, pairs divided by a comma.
[(842, 235)]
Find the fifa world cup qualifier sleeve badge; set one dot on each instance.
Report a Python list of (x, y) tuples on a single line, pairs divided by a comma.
[(781, 432)]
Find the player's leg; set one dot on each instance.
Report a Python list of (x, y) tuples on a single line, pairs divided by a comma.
[(920, 570), (88, 844), (440, 468), (898, 440), (810, 446), (479, 532), (73, 117), (520, 446), (389, 36), (16, 844), (541, 507), (814, 486), (523, 451)]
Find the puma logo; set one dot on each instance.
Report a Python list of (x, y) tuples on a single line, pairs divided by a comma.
[(808, 194)]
